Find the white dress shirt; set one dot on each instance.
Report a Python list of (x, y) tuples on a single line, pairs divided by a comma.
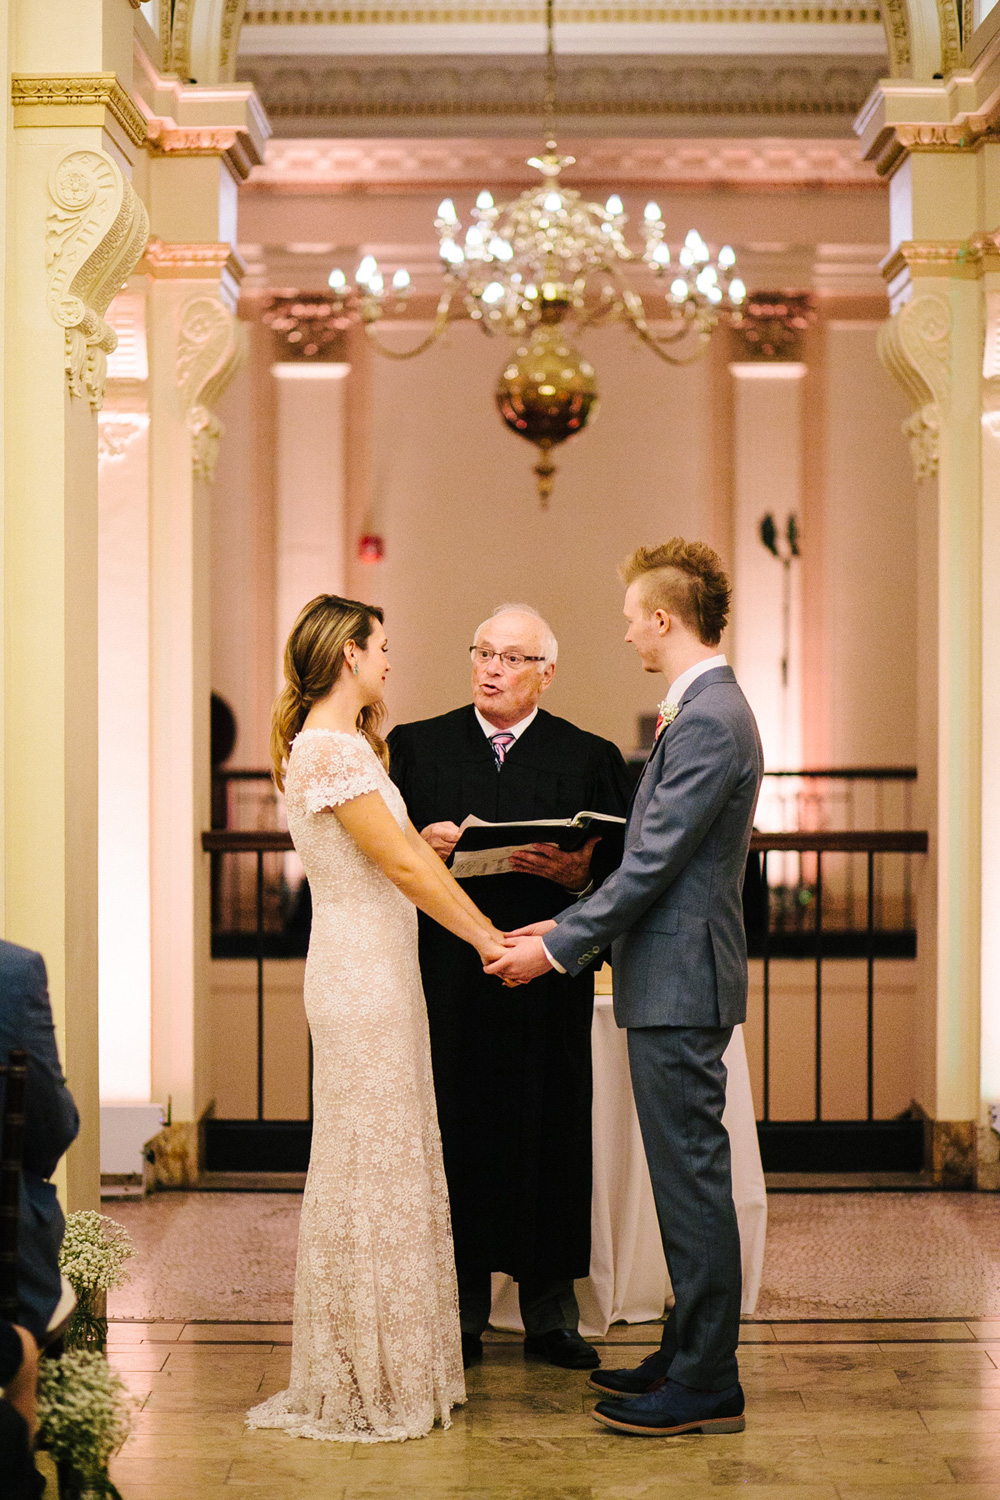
[(680, 685), (675, 692), (515, 729)]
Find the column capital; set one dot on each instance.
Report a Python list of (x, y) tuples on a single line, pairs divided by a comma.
[(214, 261), (55, 100), (224, 120)]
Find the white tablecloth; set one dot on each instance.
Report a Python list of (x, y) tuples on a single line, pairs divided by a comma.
[(628, 1279)]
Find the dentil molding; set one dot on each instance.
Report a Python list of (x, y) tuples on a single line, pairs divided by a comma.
[(95, 231), (915, 347), (392, 166), (594, 15), (501, 88), (42, 99), (211, 346)]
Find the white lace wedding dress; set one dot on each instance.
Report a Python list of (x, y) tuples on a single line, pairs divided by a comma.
[(376, 1349)]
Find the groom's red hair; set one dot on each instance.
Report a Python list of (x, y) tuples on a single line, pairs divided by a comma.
[(686, 579)]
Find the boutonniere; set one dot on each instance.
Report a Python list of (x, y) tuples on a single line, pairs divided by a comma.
[(666, 715)]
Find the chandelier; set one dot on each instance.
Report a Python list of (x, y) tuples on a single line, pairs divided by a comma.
[(543, 265)]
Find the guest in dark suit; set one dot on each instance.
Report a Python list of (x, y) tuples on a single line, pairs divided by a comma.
[(18, 1413), (51, 1125), (673, 913), (512, 1071)]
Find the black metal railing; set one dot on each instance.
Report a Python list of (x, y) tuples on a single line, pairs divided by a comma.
[(871, 1144), (831, 932)]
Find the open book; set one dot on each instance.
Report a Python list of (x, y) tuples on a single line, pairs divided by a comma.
[(485, 848)]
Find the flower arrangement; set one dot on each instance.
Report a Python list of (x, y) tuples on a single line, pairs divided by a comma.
[(94, 1251), (83, 1414)]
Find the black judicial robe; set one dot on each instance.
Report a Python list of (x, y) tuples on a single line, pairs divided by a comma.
[(512, 1067)]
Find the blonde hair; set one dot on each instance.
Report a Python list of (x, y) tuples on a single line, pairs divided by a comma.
[(687, 580), (314, 660)]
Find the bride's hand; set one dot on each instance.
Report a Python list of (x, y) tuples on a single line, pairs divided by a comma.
[(491, 947)]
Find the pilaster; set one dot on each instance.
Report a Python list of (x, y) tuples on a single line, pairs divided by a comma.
[(75, 230), (933, 141)]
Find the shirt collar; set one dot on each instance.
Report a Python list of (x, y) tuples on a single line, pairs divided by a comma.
[(515, 729), (680, 685)]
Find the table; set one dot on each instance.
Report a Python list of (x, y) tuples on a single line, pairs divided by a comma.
[(628, 1279)]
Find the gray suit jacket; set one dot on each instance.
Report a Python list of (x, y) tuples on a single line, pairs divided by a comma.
[(673, 909), (51, 1123)]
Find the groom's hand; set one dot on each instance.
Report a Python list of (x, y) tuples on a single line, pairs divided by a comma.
[(524, 960), (570, 870), (533, 929)]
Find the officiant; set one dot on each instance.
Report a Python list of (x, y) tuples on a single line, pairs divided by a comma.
[(512, 1067)]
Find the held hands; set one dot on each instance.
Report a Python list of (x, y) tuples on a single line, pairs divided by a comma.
[(524, 957), (569, 870)]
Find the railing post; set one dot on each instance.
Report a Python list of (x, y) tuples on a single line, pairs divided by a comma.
[(767, 987), (819, 984), (260, 984), (871, 983)]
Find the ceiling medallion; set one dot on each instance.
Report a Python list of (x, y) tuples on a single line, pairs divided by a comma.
[(544, 264)]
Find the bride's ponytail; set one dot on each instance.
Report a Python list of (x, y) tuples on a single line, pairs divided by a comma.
[(314, 660)]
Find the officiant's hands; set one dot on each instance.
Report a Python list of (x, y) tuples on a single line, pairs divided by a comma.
[(524, 959), (442, 838), (570, 870)]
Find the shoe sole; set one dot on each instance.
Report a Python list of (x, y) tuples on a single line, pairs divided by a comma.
[(707, 1427), (610, 1390)]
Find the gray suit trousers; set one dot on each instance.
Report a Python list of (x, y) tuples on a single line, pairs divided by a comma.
[(679, 1082)]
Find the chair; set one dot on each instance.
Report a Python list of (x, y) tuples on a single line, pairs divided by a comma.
[(11, 1155)]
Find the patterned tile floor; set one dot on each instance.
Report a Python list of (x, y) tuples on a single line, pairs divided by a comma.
[(872, 1372), (837, 1255)]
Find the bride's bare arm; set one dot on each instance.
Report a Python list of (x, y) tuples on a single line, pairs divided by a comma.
[(433, 859), (375, 831)]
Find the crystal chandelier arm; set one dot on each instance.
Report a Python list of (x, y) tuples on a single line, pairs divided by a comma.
[(694, 338), (441, 318)]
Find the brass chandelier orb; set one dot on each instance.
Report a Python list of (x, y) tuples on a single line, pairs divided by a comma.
[(547, 265)]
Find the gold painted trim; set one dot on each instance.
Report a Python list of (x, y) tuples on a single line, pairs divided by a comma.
[(41, 99), (965, 260), (729, 15), (473, 109), (185, 261)]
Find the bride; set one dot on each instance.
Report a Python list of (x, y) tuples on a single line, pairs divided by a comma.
[(376, 1350)]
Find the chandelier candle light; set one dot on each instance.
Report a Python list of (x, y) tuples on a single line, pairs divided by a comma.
[(547, 262)]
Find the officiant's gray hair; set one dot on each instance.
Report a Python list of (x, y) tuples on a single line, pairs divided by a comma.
[(549, 644)]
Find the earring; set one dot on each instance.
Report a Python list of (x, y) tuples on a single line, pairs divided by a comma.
[(354, 669)]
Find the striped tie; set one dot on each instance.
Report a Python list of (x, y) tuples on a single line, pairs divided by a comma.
[(501, 744)]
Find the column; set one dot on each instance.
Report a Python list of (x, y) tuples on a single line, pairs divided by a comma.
[(124, 908), (310, 484), (205, 141), (74, 232), (942, 188)]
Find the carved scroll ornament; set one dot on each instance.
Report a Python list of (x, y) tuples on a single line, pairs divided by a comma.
[(915, 347), (95, 232), (211, 347)]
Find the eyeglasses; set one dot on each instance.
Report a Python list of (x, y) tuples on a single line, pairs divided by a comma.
[(481, 657)]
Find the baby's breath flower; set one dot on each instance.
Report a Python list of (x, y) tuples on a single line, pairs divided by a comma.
[(83, 1413), (94, 1251)]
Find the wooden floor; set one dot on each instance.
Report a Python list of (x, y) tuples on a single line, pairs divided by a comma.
[(835, 1411)]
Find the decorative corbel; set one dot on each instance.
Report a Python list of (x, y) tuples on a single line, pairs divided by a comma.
[(915, 347), (95, 233), (211, 346)]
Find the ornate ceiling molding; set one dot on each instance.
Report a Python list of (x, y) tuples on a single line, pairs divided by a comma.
[(44, 99), (593, 15), (477, 88), (204, 36), (373, 166)]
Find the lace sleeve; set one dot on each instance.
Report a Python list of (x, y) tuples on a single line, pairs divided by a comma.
[(336, 769)]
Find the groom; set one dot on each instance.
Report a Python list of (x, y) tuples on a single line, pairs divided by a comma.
[(673, 911)]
